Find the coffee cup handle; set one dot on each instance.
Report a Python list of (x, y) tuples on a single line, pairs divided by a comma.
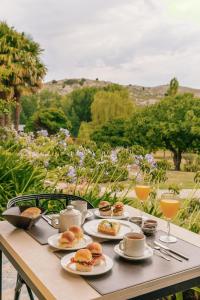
[(55, 222), (121, 245)]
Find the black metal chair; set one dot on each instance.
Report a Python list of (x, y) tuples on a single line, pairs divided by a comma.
[(41, 200)]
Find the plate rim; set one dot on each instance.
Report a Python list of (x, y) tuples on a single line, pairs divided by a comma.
[(133, 258), (68, 249), (104, 236), (86, 273)]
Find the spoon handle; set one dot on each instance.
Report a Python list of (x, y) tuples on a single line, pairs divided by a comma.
[(171, 255)]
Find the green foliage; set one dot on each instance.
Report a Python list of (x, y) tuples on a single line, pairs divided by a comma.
[(172, 124), (79, 109), (24, 70), (51, 119), (173, 87), (111, 105), (17, 177), (32, 103), (112, 132), (192, 162)]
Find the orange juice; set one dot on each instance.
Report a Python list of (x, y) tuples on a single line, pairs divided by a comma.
[(169, 207), (142, 191)]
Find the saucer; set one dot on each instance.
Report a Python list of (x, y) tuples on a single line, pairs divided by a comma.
[(148, 252)]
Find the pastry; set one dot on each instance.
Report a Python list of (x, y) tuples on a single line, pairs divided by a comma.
[(77, 231), (83, 260), (97, 253), (67, 239), (105, 208), (109, 227), (118, 209), (31, 212)]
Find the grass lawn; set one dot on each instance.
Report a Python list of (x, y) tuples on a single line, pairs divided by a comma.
[(184, 179)]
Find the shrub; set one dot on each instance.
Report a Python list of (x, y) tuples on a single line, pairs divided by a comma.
[(51, 119), (17, 177), (192, 162)]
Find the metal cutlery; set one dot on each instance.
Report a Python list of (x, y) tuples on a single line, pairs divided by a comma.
[(160, 254), (171, 251), (167, 253)]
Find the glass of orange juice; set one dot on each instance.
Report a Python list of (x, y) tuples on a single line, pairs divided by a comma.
[(142, 191), (169, 204)]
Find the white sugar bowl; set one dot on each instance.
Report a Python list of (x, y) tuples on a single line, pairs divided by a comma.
[(67, 218)]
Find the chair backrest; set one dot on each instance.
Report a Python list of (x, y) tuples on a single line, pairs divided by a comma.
[(41, 200)]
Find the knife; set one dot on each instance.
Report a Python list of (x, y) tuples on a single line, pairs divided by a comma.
[(170, 250)]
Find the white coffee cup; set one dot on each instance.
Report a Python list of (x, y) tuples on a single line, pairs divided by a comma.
[(133, 244), (81, 206)]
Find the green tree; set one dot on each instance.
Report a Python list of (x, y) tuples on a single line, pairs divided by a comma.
[(32, 103), (77, 105), (173, 87), (172, 124), (51, 119), (21, 70), (113, 132), (111, 105)]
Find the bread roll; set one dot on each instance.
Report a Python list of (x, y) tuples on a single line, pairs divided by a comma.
[(31, 212)]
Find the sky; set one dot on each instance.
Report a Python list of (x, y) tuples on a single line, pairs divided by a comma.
[(144, 42)]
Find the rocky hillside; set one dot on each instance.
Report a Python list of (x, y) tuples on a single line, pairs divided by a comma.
[(142, 95)]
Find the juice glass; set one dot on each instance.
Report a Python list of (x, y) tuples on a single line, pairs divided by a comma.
[(142, 191), (169, 204)]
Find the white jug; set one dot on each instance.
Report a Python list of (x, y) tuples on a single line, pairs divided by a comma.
[(67, 218)]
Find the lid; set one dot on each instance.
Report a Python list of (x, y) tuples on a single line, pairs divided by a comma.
[(70, 211)]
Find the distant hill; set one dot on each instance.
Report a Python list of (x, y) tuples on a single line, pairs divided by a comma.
[(142, 95)]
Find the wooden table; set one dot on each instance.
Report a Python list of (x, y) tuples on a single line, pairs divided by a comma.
[(40, 268)]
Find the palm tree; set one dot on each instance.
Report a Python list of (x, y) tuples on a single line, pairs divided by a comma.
[(21, 69)]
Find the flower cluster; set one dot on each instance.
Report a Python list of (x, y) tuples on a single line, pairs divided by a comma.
[(148, 159), (42, 132), (71, 174), (65, 132)]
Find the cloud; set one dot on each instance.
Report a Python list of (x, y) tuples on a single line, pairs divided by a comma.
[(140, 42)]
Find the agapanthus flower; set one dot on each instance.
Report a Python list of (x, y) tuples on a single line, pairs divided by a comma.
[(113, 156), (42, 132), (81, 156), (65, 131), (150, 160), (72, 174)]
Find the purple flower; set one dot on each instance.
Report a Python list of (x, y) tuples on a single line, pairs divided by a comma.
[(150, 160), (72, 174), (65, 132), (42, 132), (113, 156)]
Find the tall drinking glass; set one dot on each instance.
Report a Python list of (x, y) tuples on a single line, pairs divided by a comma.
[(169, 204), (142, 191)]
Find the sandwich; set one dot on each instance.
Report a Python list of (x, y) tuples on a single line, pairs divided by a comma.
[(109, 227), (67, 239), (83, 260), (31, 212), (77, 231), (118, 209), (97, 253), (105, 208)]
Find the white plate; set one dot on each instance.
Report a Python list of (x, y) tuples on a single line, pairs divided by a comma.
[(53, 242), (91, 228), (148, 252), (104, 267), (124, 216)]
